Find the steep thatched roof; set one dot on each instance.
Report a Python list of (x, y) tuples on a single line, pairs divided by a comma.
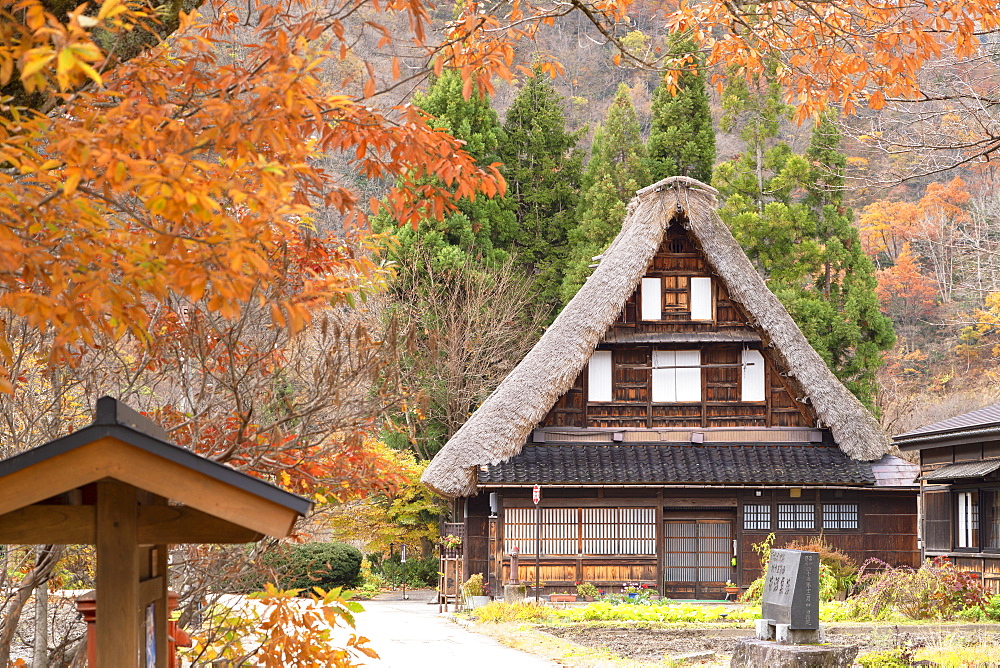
[(500, 427)]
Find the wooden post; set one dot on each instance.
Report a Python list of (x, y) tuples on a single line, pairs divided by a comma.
[(117, 576)]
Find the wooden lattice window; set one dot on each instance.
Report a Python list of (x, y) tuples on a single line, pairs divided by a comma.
[(840, 516), (572, 531), (796, 516), (757, 516)]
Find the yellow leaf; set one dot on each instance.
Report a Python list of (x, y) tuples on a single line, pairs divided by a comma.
[(64, 65), (34, 65), (107, 7), (72, 181)]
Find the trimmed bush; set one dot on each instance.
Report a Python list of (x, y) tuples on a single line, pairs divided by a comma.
[(325, 565)]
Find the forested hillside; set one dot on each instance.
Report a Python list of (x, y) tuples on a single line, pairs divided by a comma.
[(886, 258)]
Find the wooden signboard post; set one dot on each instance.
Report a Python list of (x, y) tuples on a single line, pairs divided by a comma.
[(121, 486)]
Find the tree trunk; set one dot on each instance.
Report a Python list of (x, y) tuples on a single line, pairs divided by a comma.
[(45, 562), (40, 656)]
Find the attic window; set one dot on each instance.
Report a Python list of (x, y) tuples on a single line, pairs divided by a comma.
[(752, 381), (599, 376), (652, 299), (677, 246), (676, 376), (701, 298)]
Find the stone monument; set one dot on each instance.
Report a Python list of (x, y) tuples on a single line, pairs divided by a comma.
[(790, 603), (789, 633)]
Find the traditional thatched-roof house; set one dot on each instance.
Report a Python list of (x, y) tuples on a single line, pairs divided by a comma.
[(672, 407)]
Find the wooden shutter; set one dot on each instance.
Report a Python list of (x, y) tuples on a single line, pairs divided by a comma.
[(652, 299), (701, 298), (599, 376), (937, 520), (752, 385)]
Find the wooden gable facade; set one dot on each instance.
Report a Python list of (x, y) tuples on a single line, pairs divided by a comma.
[(684, 437), (722, 348)]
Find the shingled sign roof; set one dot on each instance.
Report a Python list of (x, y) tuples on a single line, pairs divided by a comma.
[(500, 427)]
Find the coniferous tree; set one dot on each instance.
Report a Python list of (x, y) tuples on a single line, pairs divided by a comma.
[(484, 228), (543, 171), (682, 139), (615, 171), (806, 247), (472, 312)]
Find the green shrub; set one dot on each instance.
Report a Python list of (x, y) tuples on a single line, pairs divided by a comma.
[(937, 590), (587, 589), (607, 611), (326, 565), (890, 658), (522, 611), (474, 586), (992, 608), (836, 570), (416, 572)]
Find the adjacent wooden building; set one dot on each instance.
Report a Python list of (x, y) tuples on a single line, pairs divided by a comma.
[(674, 415), (960, 490)]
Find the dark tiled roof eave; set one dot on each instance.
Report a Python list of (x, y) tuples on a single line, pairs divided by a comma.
[(987, 418), (679, 463)]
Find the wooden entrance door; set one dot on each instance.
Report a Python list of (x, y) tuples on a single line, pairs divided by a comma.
[(696, 559)]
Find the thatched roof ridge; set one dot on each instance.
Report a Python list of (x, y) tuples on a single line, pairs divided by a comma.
[(500, 427)]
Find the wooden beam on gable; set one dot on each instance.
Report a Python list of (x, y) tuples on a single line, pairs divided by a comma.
[(109, 457), (156, 525)]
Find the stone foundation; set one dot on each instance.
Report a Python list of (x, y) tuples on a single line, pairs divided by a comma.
[(752, 653), (512, 593)]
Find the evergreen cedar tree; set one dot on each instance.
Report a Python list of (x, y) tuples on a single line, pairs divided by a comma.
[(681, 139), (615, 171), (543, 169), (480, 227), (805, 246)]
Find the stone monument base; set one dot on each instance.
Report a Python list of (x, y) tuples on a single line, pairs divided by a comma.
[(753, 653), (785, 635), (513, 593)]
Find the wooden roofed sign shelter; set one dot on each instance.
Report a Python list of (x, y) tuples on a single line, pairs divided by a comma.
[(120, 485)]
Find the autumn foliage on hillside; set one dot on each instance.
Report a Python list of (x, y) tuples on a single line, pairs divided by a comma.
[(184, 174)]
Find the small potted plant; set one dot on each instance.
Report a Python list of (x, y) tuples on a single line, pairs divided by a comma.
[(474, 592), (731, 590), (452, 543), (587, 590)]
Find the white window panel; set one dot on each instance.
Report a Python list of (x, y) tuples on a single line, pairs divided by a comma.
[(752, 385), (664, 379), (701, 298), (689, 375), (652, 299), (968, 519), (599, 376), (676, 375)]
